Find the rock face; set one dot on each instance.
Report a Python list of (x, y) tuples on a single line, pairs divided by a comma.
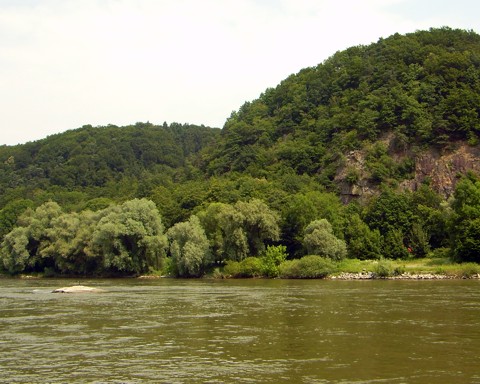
[(440, 168), (443, 170), (77, 289)]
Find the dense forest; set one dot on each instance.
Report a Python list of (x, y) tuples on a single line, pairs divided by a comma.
[(325, 166)]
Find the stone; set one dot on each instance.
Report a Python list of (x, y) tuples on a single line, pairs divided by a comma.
[(77, 289)]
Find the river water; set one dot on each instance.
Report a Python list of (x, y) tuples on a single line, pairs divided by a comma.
[(240, 331)]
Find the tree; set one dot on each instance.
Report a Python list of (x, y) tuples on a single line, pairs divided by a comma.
[(14, 251), (464, 225), (240, 230), (10, 213), (71, 243), (130, 237), (320, 240), (23, 248), (260, 224), (189, 248), (363, 243), (234, 238)]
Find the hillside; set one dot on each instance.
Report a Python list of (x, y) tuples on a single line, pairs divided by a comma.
[(367, 115), (373, 153), (97, 157)]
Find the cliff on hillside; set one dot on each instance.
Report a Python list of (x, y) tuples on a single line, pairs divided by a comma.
[(402, 111)]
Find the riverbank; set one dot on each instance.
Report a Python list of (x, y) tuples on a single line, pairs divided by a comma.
[(404, 276), (347, 269)]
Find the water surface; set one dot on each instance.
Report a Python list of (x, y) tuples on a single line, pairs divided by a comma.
[(241, 331)]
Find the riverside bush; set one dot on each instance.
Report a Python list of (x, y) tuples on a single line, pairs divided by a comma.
[(249, 267), (467, 270), (271, 260), (308, 267), (383, 268)]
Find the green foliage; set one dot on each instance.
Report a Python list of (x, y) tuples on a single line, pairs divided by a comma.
[(189, 248), (24, 248), (248, 267), (10, 213), (308, 267), (130, 237), (320, 240), (239, 230), (383, 268), (76, 202), (272, 258), (362, 242), (260, 224), (14, 252), (393, 245), (121, 239), (465, 222), (70, 243)]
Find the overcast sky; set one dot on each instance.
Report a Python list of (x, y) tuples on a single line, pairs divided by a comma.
[(66, 63)]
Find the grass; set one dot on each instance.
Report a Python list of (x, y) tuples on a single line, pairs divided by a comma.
[(440, 266)]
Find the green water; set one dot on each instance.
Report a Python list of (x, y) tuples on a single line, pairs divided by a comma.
[(241, 331)]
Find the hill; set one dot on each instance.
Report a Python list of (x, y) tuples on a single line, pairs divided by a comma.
[(373, 153), (367, 115)]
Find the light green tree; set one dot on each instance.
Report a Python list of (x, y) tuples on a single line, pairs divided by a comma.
[(234, 237), (320, 240), (189, 248), (260, 224), (71, 243), (239, 230), (14, 253), (23, 248), (130, 237)]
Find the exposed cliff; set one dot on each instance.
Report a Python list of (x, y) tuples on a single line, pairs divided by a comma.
[(439, 168)]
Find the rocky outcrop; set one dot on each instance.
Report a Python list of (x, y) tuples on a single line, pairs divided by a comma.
[(440, 169), (443, 170), (77, 289)]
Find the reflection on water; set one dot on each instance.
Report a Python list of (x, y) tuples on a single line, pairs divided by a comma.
[(242, 331)]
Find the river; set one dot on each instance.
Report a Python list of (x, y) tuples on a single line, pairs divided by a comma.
[(240, 331)]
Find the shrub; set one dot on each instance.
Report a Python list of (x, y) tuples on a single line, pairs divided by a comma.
[(308, 267), (467, 270), (289, 269), (232, 268), (271, 260), (383, 268), (249, 267)]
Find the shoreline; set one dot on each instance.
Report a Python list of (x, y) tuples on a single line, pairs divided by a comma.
[(403, 276), (343, 276)]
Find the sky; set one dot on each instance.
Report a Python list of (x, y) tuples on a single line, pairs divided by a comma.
[(67, 63)]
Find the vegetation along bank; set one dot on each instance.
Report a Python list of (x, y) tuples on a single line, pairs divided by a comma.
[(368, 159)]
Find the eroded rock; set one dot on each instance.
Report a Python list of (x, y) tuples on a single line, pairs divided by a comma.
[(77, 289)]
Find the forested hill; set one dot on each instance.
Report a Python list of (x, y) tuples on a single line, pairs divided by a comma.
[(401, 95), (362, 156), (94, 157)]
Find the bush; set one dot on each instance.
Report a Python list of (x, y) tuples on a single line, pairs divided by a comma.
[(467, 270), (249, 267), (273, 257), (232, 268), (308, 267), (383, 269)]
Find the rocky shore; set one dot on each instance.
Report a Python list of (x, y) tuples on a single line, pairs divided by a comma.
[(403, 276)]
